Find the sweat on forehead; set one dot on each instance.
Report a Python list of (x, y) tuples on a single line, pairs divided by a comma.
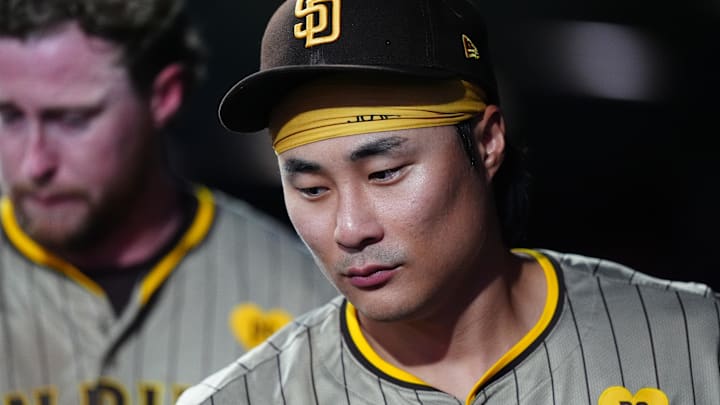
[(338, 107)]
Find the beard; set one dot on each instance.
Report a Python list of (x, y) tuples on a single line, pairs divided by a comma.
[(75, 219), (60, 226)]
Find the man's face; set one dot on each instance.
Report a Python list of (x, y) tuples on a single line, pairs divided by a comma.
[(74, 135), (396, 220)]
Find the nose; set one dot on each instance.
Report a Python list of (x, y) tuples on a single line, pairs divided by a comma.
[(40, 160), (357, 224)]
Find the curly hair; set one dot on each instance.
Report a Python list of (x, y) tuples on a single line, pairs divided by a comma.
[(151, 33), (510, 184)]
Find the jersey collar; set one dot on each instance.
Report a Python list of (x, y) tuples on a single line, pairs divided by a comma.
[(197, 231), (365, 353)]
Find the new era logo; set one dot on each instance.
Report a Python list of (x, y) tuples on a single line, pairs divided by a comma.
[(471, 51)]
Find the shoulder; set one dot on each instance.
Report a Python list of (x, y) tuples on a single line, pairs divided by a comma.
[(595, 284), (233, 214), (232, 224), (258, 259), (260, 368), (575, 265)]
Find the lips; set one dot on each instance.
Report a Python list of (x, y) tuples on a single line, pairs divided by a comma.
[(370, 277), (47, 200), (38, 203), (44, 199)]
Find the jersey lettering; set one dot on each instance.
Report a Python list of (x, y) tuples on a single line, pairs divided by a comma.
[(15, 399), (42, 396), (150, 393), (177, 390), (106, 392), (45, 396)]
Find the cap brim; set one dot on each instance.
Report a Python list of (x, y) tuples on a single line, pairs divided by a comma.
[(246, 107)]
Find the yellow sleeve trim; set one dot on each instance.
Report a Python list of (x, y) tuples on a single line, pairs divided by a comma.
[(195, 234), (37, 253), (551, 302), (367, 351)]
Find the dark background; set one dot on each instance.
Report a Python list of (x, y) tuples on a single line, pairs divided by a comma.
[(616, 100)]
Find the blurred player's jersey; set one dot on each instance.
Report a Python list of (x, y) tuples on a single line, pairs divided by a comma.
[(608, 336), (235, 276)]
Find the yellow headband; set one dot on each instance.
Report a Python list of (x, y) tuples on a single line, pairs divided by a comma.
[(332, 108)]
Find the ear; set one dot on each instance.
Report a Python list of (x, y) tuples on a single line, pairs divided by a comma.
[(489, 135), (167, 94)]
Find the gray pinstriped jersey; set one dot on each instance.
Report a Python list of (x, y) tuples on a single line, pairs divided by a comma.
[(617, 337), (235, 276)]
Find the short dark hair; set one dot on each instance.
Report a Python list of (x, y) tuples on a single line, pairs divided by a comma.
[(151, 33), (510, 184)]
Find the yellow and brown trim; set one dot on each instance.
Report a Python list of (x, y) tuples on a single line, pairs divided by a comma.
[(365, 353), (552, 300), (195, 234), (37, 253)]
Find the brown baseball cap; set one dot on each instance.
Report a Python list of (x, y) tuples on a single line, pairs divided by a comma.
[(309, 39)]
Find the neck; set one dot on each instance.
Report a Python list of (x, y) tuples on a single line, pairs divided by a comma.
[(452, 350), (153, 218)]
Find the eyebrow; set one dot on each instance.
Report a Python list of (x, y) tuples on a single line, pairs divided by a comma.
[(382, 146), (89, 110), (377, 147), (295, 166), (91, 107), (6, 105)]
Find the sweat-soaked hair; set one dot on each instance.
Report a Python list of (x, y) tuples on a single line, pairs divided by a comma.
[(510, 184), (150, 33)]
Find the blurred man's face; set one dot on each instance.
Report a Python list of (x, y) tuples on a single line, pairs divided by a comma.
[(397, 220), (74, 135)]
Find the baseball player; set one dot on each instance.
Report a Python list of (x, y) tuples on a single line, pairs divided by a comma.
[(399, 177), (119, 283)]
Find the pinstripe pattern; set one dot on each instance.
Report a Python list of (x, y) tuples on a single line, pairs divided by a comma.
[(174, 341), (72, 332), (54, 330), (39, 337), (239, 236), (382, 392), (652, 344), (210, 308), (6, 345), (552, 380), (279, 372), (613, 327), (586, 384), (612, 332), (344, 374), (687, 339), (310, 366)]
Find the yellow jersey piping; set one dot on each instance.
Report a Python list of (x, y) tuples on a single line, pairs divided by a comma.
[(38, 254), (194, 235), (371, 358), (158, 274)]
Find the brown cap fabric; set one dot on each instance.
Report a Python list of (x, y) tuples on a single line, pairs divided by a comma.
[(307, 39)]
